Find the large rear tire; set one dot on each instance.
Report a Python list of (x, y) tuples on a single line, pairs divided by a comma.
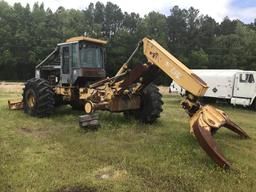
[(151, 105), (38, 98)]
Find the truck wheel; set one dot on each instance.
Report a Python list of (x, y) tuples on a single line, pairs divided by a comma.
[(38, 98), (151, 106)]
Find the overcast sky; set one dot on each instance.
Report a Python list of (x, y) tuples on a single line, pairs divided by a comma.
[(244, 10)]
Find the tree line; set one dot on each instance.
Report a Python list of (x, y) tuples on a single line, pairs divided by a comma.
[(28, 34)]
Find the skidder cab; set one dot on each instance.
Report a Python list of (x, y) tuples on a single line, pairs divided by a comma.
[(73, 64), (77, 60)]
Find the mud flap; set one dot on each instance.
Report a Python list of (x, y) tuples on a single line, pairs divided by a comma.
[(204, 123)]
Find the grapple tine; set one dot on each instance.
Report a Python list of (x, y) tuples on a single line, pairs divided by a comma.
[(235, 128), (206, 141), (229, 124)]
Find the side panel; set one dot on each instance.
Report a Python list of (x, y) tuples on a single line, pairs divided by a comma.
[(219, 86)]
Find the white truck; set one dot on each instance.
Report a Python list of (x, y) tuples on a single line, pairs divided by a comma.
[(236, 86)]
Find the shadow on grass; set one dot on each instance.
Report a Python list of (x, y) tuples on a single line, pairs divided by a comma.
[(66, 110), (108, 120)]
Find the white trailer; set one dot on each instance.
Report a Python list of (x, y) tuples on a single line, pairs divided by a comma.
[(236, 86)]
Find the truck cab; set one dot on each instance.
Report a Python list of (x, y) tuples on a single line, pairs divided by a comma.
[(244, 90)]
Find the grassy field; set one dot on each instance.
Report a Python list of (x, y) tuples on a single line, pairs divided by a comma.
[(55, 155)]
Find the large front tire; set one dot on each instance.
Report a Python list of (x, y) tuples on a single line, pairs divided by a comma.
[(151, 105), (38, 98)]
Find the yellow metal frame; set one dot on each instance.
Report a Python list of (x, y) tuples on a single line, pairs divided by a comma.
[(65, 91), (175, 69)]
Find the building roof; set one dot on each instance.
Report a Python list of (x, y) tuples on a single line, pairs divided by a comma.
[(84, 38)]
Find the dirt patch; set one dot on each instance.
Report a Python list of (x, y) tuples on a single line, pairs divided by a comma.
[(76, 189), (110, 173), (26, 130), (11, 87), (38, 133)]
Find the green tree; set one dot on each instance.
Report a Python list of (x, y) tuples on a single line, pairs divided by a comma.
[(177, 31), (28, 34), (113, 19), (155, 26), (198, 60), (207, 32)]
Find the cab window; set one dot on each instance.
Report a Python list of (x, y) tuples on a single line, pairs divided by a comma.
[(246, 78), (74, 55), (91, 56), (65, 60), (251, 78)]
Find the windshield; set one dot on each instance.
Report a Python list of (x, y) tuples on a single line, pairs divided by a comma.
[(91, 56)]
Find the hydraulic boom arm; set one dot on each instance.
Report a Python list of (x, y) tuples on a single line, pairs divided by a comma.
[(176, 70)]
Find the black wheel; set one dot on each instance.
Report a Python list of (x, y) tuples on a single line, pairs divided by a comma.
[(151, 106), (38, 98)]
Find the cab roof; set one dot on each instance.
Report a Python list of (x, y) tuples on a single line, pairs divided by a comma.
[(84, 38)]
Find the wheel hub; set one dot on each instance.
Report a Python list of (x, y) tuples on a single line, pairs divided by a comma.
[(31, 99)]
